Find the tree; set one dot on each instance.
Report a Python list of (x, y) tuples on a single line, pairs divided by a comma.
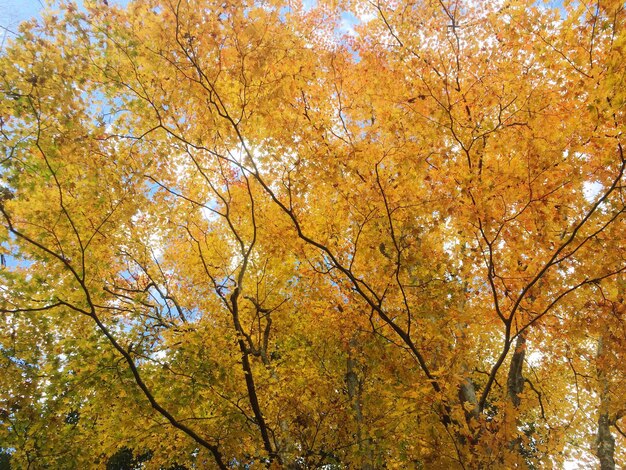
[(235, 236)]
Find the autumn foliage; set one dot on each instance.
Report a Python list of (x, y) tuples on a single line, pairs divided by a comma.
[(339, 234)]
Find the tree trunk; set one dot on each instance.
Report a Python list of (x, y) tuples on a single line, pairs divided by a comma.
[(354, 387), (515, 380), (605, 442)]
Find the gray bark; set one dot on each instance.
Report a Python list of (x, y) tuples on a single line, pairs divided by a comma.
[(515, 380), (355, 387), (605, 442), (467, 394)]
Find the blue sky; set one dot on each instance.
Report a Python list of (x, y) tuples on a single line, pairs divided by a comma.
[(13, 12)]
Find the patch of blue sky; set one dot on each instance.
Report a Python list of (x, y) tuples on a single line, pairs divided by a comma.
[(9, 354), (160, 295), (14, 12), (309, 4), (348, 22), (347, 29), (553, 5), (11, 258)]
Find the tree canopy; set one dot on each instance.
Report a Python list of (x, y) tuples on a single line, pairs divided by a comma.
[(332, 234)]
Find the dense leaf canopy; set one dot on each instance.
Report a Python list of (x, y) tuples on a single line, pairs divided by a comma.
[(338, 234)]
